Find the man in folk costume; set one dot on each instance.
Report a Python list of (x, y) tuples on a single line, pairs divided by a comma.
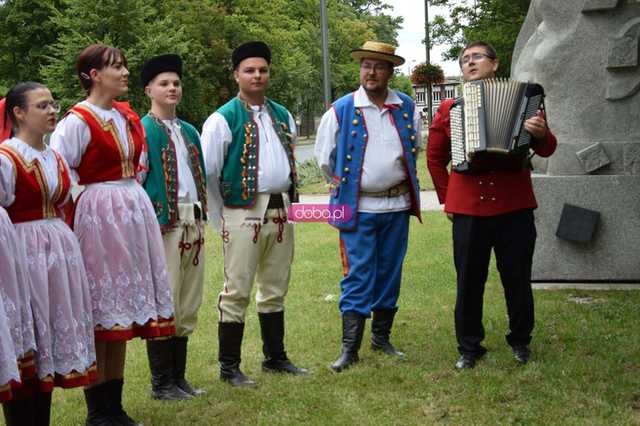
[(175, 182), (248, 149), (489, 210), (367, 145)]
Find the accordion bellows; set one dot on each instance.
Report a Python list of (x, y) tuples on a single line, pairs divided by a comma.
[(487, 131)]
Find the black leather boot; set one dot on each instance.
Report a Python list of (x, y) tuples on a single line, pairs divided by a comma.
[(98, 405), (381, 330), (19, 412), (275, 357), (43, 408), (180, 366), (160, 353), (230, 343), (116, 412), (352, 330)]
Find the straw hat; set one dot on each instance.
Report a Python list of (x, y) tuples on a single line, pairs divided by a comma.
[(377, 50)]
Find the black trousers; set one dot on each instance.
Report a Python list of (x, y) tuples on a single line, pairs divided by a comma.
[(512, 237)]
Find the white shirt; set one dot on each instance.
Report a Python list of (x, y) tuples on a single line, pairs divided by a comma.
[(46, 158), (273, 164), (383, 165), (72, 135), (187, 191)]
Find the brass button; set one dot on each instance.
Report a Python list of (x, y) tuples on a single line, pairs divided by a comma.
[(344, 180), (358, 111), (413, 150), (349, 157), (405, 115), (482, 197), (412, 137), (354, 133), (409, 126), (346, 170), (355, 122)]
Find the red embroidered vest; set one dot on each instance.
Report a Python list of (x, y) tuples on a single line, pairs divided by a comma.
[(105, 159), (33, 199)]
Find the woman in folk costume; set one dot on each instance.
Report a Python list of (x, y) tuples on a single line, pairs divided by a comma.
[(17, 342), (15, 301), (34, 185), (175, 183), (119, 235)]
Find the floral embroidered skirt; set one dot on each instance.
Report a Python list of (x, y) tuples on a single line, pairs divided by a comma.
[(124, 257), (16, 320), (61, 305)]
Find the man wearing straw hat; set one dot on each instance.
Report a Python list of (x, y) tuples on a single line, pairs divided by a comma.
[(367, 145)]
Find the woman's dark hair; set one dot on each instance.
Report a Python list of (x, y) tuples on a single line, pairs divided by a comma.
[(488, 48), (96, 56), (17, 97)]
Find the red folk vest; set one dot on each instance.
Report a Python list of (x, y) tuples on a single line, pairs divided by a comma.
[(105, 159), (33, 199)]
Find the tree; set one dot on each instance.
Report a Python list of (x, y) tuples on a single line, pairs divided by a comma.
[(402, 83), (495, 21), (27, 33), (132, 25)]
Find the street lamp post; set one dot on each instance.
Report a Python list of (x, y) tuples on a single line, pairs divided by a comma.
[(427, 42), (326, 76)]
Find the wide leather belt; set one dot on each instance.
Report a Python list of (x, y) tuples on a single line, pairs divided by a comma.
[(399, 189), (275, 201)]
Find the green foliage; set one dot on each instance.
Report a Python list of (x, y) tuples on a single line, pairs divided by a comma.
[(27, 33), (495, 21), (309, 173), (44, 38), (427, 74), (402, 83)]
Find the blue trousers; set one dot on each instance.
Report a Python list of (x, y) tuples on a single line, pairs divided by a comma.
[(372, 257)]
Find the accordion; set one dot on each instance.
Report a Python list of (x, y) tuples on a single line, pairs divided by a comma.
[(487, 125)]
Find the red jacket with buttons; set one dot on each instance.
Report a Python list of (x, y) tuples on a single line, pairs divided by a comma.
[(484, 194)]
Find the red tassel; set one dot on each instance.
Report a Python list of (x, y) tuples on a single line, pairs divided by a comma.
[(5, 125)]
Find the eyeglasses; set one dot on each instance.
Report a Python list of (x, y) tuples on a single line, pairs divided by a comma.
[(475, 56), (374, 67), (44, 105)]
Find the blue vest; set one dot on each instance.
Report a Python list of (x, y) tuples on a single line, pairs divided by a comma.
[(350, 150)]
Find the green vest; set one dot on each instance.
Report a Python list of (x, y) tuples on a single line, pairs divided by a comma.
[(162, 178), (239, 183)]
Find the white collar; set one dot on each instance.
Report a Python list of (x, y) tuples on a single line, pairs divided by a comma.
[(361, 100), (26, 151)]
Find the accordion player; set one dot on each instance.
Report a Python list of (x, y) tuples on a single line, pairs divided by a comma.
[(487, 125)]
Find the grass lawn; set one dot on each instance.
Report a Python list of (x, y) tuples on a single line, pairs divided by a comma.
[(585, 367)]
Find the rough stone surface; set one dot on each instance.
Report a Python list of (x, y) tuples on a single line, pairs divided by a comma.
[(585, 55), (567, 162), (593, 157), (613, 254), (567, 51), (632, 159)]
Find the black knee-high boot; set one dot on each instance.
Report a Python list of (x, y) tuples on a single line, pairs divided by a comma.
[(160, 354), (180, 366), (19, 412), (230, 343), (381, 330), (43, 408), (352, 330), (98, 405), (275, 357)]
